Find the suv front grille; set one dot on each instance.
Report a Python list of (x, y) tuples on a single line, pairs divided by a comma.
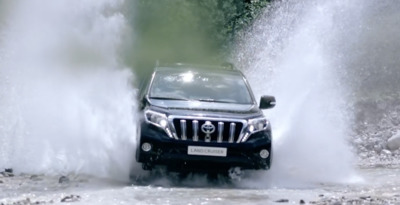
[(203, 130)]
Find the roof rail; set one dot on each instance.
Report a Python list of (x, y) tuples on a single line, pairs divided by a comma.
[(228, 65), (225, 65)]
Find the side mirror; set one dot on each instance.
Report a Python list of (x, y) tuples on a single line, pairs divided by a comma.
[(143, 102), (267, 102)]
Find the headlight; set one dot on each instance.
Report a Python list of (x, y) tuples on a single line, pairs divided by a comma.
[(158, 119), (255, 125)]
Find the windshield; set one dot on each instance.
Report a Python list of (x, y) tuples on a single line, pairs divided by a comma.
[(200, 86)]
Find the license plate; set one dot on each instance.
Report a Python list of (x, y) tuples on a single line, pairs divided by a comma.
[(207, 151)]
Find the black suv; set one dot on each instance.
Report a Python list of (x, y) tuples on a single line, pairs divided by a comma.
[(202, 118)]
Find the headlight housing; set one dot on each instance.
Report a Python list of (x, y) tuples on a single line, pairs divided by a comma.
[(156, 118), (159, 120), (255, 125)]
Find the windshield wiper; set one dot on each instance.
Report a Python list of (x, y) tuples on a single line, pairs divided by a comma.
[(214, 100), (168, 98)]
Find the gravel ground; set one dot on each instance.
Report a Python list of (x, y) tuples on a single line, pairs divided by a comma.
[(377, 135), (380, 186)]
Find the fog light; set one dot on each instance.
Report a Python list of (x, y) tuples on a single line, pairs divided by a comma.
[(264, 153), (146, 147)]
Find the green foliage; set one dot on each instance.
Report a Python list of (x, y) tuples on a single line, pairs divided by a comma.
[(196, 31)]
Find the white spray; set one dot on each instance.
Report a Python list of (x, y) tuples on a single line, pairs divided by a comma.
[(66, 102), (292, 52)]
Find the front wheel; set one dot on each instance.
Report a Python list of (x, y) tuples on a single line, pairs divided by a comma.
[(147, 166)]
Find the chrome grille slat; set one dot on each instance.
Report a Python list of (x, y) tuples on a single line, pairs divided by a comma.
[(195, 125), (183, 129), (232, 129), (220, 131)]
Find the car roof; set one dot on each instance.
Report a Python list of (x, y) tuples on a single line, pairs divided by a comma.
[(199, 68)]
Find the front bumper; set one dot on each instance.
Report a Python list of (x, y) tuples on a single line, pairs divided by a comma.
[(174, 153)]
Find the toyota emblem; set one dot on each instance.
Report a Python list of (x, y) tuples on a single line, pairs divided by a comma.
[(208, 128)]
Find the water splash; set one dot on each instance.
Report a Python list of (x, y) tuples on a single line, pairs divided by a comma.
[(292, 52), (66, 100)]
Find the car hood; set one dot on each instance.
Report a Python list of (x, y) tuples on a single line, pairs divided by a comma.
[(209, 106)]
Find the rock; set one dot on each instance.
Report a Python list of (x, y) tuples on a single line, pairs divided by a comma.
[(378, 148), (1, 182), (302, 201), (394, 142), (26, 201), (358, 141), (72, 198), (363, 155), (7, 174), (63, 179), (386, 135), (35, 178), (386, 152), (369, 145), (385, 123), (365, 197), (282, 201)]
